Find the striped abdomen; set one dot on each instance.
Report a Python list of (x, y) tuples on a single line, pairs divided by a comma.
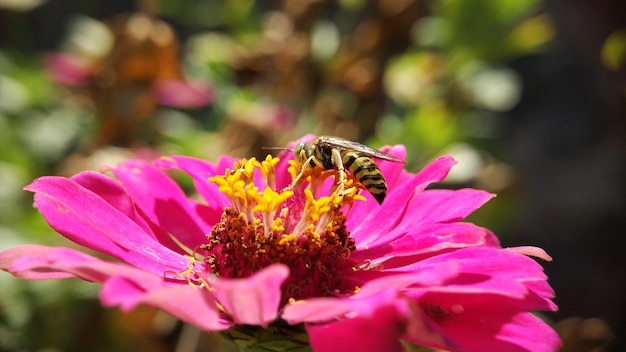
[(367, 173)]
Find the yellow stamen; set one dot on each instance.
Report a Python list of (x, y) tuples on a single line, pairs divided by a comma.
[(264, 226), (267, 170)]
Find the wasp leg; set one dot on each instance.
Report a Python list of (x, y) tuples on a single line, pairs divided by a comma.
[(310, 161), (338, 161)]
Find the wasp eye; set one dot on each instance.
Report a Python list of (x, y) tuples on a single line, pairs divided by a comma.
[(299, 150)]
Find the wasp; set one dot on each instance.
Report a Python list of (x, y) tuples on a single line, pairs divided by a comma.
[(340, 154)]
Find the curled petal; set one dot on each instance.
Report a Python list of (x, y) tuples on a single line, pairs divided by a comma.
[(531, 251), (253, 300), (31, 262), (41, 262)]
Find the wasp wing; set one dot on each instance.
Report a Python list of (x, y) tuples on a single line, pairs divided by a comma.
[(344, 144)]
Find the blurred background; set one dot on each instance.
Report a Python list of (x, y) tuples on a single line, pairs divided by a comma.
[(529, 96)]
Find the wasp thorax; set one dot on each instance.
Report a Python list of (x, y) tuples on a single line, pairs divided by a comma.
[(264, 226)]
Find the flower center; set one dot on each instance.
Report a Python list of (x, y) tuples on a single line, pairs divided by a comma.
[(294, 228)]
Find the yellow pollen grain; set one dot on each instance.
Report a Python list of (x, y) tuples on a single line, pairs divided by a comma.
[(277, 226), (312, 234), (286, 238), (332, 226)]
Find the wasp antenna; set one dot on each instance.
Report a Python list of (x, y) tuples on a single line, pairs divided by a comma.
[(277, 148)]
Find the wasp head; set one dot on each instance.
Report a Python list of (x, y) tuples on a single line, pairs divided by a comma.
[(301, 152)]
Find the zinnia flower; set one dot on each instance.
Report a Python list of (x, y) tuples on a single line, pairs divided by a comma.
[(263, 262)]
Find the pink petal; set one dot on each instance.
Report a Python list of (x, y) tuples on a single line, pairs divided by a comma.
[(78, 264), (447, 205), (122, 292), (123, 285), (428, 277), (328, 309), (380, 291), (200, 171), (428, 239), (529, 332), (183, 94), (114, 194), (485, 260), (421, 330), (30, 262), (531, 251), (441, 206), (367, 228), (492, 271), (87, 219), (489, 323), (254, 300), (379, 332), (162, 201), (194, 305), (424, 209), (392, 170)]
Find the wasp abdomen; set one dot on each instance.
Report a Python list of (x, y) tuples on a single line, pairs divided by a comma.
[(365, 170)]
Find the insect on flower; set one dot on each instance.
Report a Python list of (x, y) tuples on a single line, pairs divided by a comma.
[(333, 153), (303, 270)]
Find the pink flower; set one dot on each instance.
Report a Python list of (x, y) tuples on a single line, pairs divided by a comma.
[(357, 275)]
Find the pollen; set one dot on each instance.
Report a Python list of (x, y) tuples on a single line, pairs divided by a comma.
[(264, 226)]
